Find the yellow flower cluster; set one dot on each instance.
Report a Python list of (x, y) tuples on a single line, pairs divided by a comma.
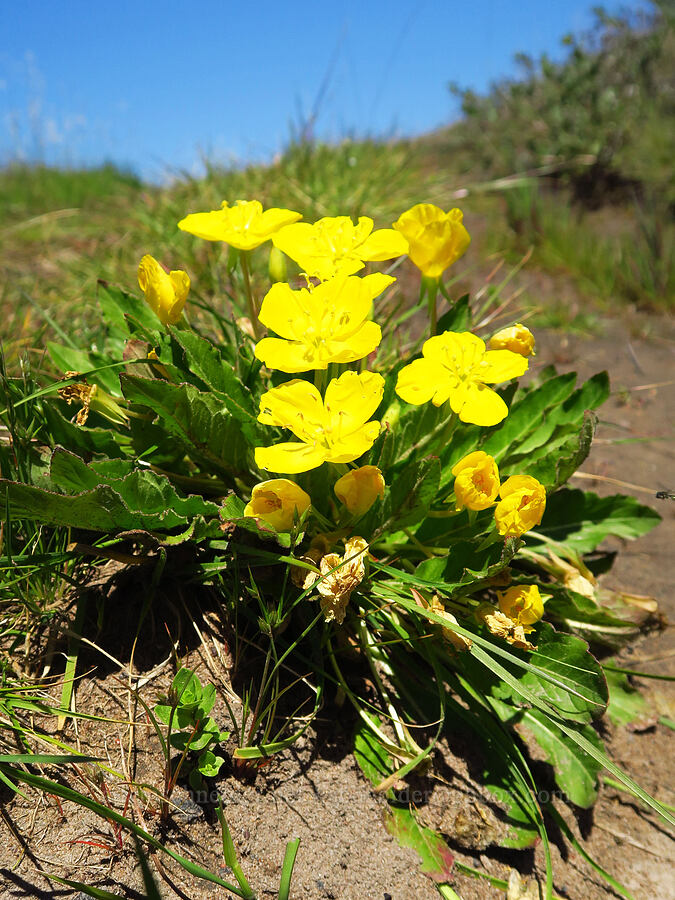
[(523, 498), (328, 324)]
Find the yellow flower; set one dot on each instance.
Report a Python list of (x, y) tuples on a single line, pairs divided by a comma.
[(335, 246), (244, 226), (359, 489), (276, 502), (165, 292), (517, 338), (521, 507), (476, 481), (323, 324), (334, 429), (335, 588), (436, 239), (522, 604), (456, 367)]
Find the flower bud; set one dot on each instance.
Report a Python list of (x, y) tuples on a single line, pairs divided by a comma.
[(277, 502), (476, 481), (517, 339), (521, 507), (165, 292), (436, 239), (277, 268), (523, 604), (359, 489)]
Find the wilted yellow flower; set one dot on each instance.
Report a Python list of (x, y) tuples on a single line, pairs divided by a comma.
[(335, 588), (476, 481), (458, 641), (323, 324), (499, 624), (277, 502), (523, 604), (334, 429), (359, 489), (92, 397), (436, 239), (521, 507), (456, 367), (517, 338), (335, 246), (243, 226), (165, 292)]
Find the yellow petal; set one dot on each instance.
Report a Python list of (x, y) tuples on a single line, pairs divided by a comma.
[(478, 404), (286, 312), (207, 225), (360, 344), (296, 405), (418, 382), (471, 461), (287, 356), (295, 240), (289, 457), (455, 349), (502, 365), (351, 400), (383, 244), (355, 444)]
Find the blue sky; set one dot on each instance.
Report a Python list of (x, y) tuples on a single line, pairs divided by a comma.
[(159, 85)]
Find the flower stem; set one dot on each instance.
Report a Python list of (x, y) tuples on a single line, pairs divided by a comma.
[(432, 291), (252, 311)]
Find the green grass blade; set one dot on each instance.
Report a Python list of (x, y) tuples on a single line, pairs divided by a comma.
[(287, 868)]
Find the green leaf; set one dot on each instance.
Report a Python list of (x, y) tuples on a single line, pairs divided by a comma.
[(527, 415), (70, 359), (209, 764), (206, 361), (411, 494), (457, 318), (126, 314), (580, 691), (436, 858), (627, 707), (467, 564), (141, 500), (576, 773), (198, 419), (561, 458), (582, 520)]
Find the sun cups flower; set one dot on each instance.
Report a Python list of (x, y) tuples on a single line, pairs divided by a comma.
[(517, 338), (333, 429), (521, 507), (277, 502), (243, 226), (320, 325), (335, 246), (476, 481), (522, 604), (359, 488), (456, 367), (165, 292), (436, 239)]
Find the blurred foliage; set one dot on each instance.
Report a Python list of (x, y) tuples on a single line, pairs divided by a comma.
[(599, 118)]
